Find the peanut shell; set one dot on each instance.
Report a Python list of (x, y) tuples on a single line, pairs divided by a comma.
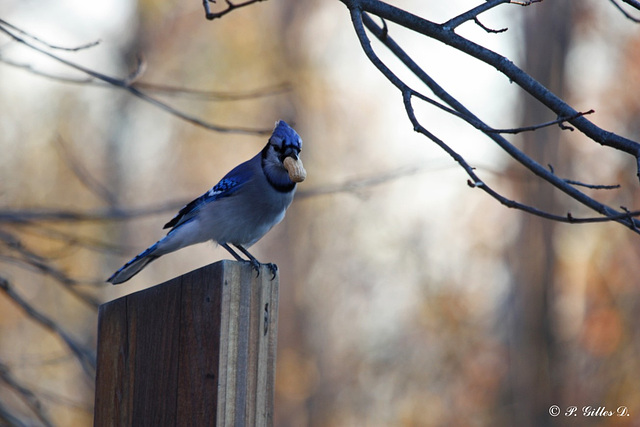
[(295, 169)]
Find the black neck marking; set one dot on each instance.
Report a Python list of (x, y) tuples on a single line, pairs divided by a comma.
[(281, 188), (284, 185)]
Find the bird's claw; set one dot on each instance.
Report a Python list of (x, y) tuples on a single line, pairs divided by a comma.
[(274, 270), (256, 266)]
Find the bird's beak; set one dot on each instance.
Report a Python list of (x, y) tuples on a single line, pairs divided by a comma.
[(291, 152)]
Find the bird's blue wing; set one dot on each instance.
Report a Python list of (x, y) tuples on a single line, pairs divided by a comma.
[(228, 185)]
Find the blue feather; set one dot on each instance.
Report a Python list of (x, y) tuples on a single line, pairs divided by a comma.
[(136, 264), (231, 182)]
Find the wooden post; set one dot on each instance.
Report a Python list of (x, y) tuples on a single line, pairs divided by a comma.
[(198, 350)]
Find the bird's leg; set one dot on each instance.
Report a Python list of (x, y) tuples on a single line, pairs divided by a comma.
[(232, 252), (256, 264)]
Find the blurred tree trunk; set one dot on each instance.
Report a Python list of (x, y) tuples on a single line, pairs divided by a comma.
[(547, 33)]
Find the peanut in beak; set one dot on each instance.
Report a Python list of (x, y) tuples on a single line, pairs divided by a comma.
[(295, 169)]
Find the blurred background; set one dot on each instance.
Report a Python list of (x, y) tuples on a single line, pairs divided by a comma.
[(406, 297)]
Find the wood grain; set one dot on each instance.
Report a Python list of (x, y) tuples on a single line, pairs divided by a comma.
[(198, 350)]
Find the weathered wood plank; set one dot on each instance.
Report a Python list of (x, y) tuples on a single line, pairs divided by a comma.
[(196, 350)]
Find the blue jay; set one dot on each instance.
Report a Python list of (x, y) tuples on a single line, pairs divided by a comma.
[(239, 209)]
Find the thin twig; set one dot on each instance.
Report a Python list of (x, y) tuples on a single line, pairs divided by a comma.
[(230, 7), (633, 3), (85, 357), (624, 12), (122, 84), (525, 3), (472, 14), (475, 181), (69, 238), (25, 394), (582, 184), (82, 174), (49, 45), (209, 95), (592, 186), (26, 258), (629, 215), (353, 185), (487, 29), (45, 268), (8, 418), (166, 90), (558, 121), (58, 399), (110, 214)]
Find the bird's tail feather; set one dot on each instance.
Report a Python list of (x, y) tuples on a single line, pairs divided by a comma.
[(134, 266)]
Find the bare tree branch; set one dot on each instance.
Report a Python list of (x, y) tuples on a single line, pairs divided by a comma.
[(230, 7), (208, 95), (359, 20), (166, 90), (624, 12), (83, 175), (86, 358), (558, 121), (445, 34), (633, 3), (109, 214), (8, 418), (502, 64), (525, 3), (29, 260), (592, 186), (472, 14), (123, 84), (354, 185), (25, 394), (49, 45), (70, 239), (487, 29)]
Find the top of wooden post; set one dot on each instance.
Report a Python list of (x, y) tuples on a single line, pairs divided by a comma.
[(196, 350)]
